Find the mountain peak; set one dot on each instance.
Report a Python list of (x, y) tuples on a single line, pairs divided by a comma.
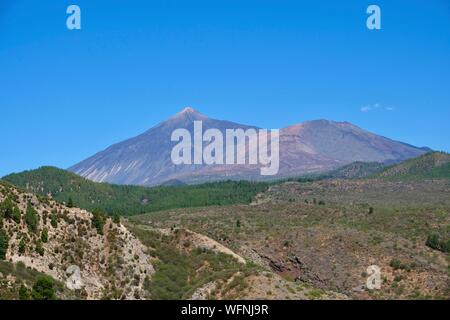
[(319, 145), (188, 110), (190, 114)]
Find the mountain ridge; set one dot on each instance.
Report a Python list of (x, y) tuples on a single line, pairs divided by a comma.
[(307, 147), (432, 165)]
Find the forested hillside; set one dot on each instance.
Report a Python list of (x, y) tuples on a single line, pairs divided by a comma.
[(74, 190), (433, 165)]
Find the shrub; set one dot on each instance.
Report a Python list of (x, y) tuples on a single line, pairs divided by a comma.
[(396, 264), (24, 293), (43, 289), (434, 241)]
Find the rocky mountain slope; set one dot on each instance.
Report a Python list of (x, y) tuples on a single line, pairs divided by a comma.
[(146, 159), (193, 266), (325, 235), (314, 146), (53, 239), (89, 256)]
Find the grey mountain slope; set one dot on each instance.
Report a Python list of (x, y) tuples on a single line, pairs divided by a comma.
[(145, 159), (313, 146)]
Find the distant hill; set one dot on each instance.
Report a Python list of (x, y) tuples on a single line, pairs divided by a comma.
[(355, 170), (127, 200), (433, 165), (173, 183)]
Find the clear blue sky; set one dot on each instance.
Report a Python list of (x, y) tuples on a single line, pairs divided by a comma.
[(64, 95)]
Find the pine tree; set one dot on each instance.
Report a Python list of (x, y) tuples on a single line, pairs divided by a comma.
[(54, 220), (17, 215), (4, 240), (44, 235), (7, 208), (22, 246), (31, 218)]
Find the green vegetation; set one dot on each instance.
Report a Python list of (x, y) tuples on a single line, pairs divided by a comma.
[(4, 239), (24, 293), (116, 218), (179, 273), (128, 200), (39, 247), (436, 242), (9, 210), (32, 218), (26, 281), (22, 246), (17, 215), (43, 289), (44, 235), (390, 219), (396, 264), (315, 294), (355, 170), (98, 220), (54, 220), (433, 165)]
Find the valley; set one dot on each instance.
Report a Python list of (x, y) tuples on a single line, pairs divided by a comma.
[(311, 239)]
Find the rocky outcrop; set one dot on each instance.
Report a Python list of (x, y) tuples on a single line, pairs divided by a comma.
[(67, 244)]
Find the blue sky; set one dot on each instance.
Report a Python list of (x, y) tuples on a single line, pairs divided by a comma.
[(68, 94)]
